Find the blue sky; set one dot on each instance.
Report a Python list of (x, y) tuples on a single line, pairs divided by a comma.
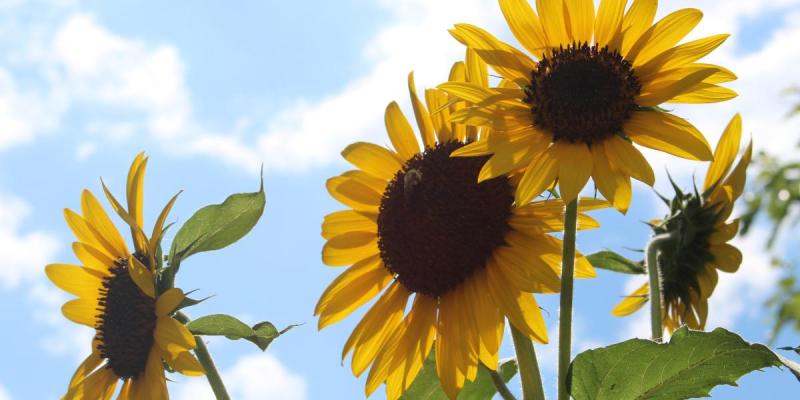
[(213, 91)]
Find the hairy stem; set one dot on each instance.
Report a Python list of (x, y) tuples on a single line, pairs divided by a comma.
[(565, 309), (214, 379), (656, 310), (529, 374)]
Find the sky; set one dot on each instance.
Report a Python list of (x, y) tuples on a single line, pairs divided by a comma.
[(215, 90)]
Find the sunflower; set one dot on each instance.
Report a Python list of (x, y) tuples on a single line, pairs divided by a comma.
[(135, 333), (420, 226), (698, 221), (589, 90)]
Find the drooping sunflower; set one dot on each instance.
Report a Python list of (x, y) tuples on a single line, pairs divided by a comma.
[(135, 333), (589, 90), (699, 225), (420, 226)]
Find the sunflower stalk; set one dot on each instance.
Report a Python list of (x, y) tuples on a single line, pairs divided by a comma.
[(656, 311), (565, 309), (203, 355), (530, 376)]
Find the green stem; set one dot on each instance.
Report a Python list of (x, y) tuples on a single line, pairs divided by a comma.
[(500, 385), (214, 379), (656, 310), (532, 388), (565, 310)]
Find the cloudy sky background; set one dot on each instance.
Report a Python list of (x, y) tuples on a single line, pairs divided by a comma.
[(211, 91)]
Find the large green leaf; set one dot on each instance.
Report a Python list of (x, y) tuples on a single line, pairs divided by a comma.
[(611, 261), (261, 334), (426, 386), (689, 366), (218, 225)]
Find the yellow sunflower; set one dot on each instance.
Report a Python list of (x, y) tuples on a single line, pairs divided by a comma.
[(589, 90), (135, 333), (419, 226), (698, 221)]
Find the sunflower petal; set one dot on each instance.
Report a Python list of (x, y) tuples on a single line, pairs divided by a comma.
[(98, 220), (629, 160), (727, 258), (354, 194), (73, 279), (349, 248), (142, 276), (186, 364), (345, 221), (525, 25), (520, 307), (663, 35), (704, 93), (421, 114), (636, 21), (725, 153), (724, 233), (374, 159), (81, 311), (551, 15), (173, 337), (352, 289), (539, 176), (614, 185), (168, 301), (609, 21), (507, 61), (632, 303), (574, 168), (668, 133), (400, 132), (680, 56), (580, 14)]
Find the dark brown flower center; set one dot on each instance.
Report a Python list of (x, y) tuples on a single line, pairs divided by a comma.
[(582, 93), (126, 323), (437, 224)]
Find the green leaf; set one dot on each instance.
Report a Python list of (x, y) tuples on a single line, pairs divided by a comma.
[(426, 385), (189, 302), (689, 366), (218, 225), (611, 261), (261, 334)]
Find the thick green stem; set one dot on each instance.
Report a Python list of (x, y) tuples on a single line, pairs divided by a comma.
[(500, 385), (532, 388), (656, 310), (214, 379), (565, 310)]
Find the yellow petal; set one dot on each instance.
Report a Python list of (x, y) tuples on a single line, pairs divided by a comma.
[(82, 231), (636, 21), (727, 258), (448, 349), (632, 303), (623, 155), (352, 289), (173, 337), (158, 228), (525, 272), (539, 176), (354, 194), (663, 35), (81, 311), (680, 56), (609, 21), (477, 69), (186, 364), (373, 159), (74, 279), (98, 220), (614, 185), (440, 114), (668, 133), (661, 91), (507, 61), (707, 278), (551, 15), (373, 330), (490, 322), (525, 25), (378, 185), (349, 248), (345, 221), (86, 368), (724, 233), (135, 195), (424, 121), (400, 132), (511, 153), (154, 382), (725, 153), (168, 301), (520, 307), (704, 93), (142, 276), (99, 385), (580, 14), (737, 178), (92, 258), (574, 168)]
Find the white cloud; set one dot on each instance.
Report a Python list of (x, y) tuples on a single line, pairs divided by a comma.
[(85, 150), (253, 377), (4, 395), (23, 254)]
